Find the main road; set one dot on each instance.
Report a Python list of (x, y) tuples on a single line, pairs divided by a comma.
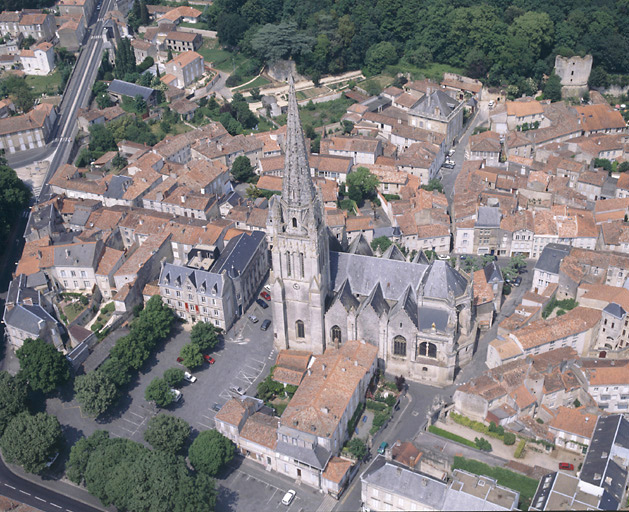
[(76, 96)]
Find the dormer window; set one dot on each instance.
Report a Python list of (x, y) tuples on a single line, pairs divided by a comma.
[(294, 222)]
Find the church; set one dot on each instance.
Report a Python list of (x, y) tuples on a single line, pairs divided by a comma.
[(420, 315)]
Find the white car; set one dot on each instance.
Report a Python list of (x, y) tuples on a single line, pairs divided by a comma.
[(288, 497), (176, 394), (189, 377), (443, 256), (267, 287), (238, 390)]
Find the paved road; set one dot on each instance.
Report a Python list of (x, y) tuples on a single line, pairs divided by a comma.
[(40, 497)]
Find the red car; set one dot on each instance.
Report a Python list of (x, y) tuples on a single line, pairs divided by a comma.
[(265, 295), (209, 359), (566, 466), (180, 359)]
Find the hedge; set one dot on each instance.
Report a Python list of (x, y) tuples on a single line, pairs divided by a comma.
[(452, 437), (372, 405), (525, 485), (492, 430), (519, 451)]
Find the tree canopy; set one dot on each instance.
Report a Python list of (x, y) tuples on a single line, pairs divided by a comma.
[(204, 335), (95, 392), (210, 451), (361, 184), (167, 433), (158, 391), (13, 394), (31, 440), (14, 195), (42, 365)]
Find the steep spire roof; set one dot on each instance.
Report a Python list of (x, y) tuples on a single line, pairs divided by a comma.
[(297, 186)]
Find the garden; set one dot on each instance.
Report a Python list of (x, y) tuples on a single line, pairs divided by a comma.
[(72, 305), (275, 394)]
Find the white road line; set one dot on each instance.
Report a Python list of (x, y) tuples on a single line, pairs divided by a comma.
[(10, 486), (55, 505), (40, 499), (204, 425), (130, 431), (24, 492), (138, 415), (132, 422), (208, 417)]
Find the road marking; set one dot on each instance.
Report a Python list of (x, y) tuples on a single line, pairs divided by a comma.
[(204, 425), (132, 423), (24, 492), (55, 505), (138, 415), (40, 499), (10, 486)]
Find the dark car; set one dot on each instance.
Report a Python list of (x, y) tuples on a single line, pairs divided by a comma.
[(517, 281), (216, 407), (262, 303), (265, 325)]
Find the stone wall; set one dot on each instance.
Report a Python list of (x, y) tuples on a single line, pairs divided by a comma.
[(574, 73)]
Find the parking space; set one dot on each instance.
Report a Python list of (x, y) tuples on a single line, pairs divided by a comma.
[(257, 489)]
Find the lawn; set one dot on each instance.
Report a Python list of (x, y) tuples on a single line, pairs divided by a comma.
[(73, 310), (376, 83), (175, 129), (219, 58), (449, 435), (312, 92), (324, 113), (48, 84), (523, 484), (260, 81)]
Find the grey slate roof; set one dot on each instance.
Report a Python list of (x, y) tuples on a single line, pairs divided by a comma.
[(317, 457), (364, 272), (77, 255), (400, 480), (436, 100), (206, 283), (488, 217), (129, 89), (388, 231), (420, 257), (117, 186), (407, 304), (361, 246), (26, 318), (376, 301), (615, 310), (551, 258), (493, 273), (236, 256), (440, 279), (346, 297), (393, 253), (429, 315)]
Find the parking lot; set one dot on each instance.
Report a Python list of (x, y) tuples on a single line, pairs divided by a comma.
[(248, 486), (242, 360)]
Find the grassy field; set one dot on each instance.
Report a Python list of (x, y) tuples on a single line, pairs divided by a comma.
[(449, 435), (306, 94), (48, 84), (220, 59), (260, 81), (72, 310), (523, 484), (175, 129), (325, 113)]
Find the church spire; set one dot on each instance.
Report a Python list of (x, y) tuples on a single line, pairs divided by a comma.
[(297, 187)]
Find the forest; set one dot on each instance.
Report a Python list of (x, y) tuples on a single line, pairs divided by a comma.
[(498, 41)]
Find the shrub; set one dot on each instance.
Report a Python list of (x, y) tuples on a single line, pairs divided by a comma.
[(509, 438), (173, 377), (482, 444), (357, 447), (379, 420), (519, 451), (390, 400), (372, 405), (351, 424)]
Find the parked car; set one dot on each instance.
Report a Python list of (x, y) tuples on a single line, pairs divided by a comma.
[(262, 303), (180, 360), (451, 152), (189, 377), (216, 407), (265, 325), (176, 394), (52, 459), (448, 164), (443, 256), (382, 447), (267, 287), (566, 466), (209, 359), (288, 497), (238, 390), (518, 281), (253, 318), (265, 295)]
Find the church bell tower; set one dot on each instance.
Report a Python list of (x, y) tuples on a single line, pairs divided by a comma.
[(300, 275)]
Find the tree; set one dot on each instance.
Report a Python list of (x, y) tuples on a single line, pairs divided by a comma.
[(173, 377), (42, 365), (379, 56), (13, 394), (482, 444), (119, 161), (204, 335), (191, 356), (552, 88), (508, 438), (623, 167), (242, 170), (102, 139), (31, 440), (18, 89), (434, 184), (382, 243), (400, 382), (80, 455), (361, 185), (27, 42), (274, 42), (357, 447), (210, 451), (95, 392), (167, 433), (159, 392), (139, 104), (144, 14), (230, 28)]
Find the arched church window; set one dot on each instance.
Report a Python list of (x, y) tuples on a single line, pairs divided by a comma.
[(399, 346), (294, 222), (427, 349), (300, 329), (336, 334), (301, 263), (288, 265)]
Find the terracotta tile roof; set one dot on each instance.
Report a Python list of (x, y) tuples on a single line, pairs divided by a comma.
[(599, 117), (261, 429), (485, 387), (150, 289), (322, 398), (485, 141), (386, 174), (524, 108), (187, 37), (574, 421), (350, 144), (33, 119), (108, 261), (142, 254), (542, 332), (406, 453), (168, 78), (232, 412), (36, 255), (483, 292), (268, 182), (274, 163), (522, 397), (406, 100), (336, 469), (330, 163), (181, 12), (358, 223), (609, 375), (464, 85), (506, 348)]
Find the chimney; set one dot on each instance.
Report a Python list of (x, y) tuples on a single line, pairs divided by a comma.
[(309, 372), (203, 191), (68, 253), (323, 367), (183, 199)]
